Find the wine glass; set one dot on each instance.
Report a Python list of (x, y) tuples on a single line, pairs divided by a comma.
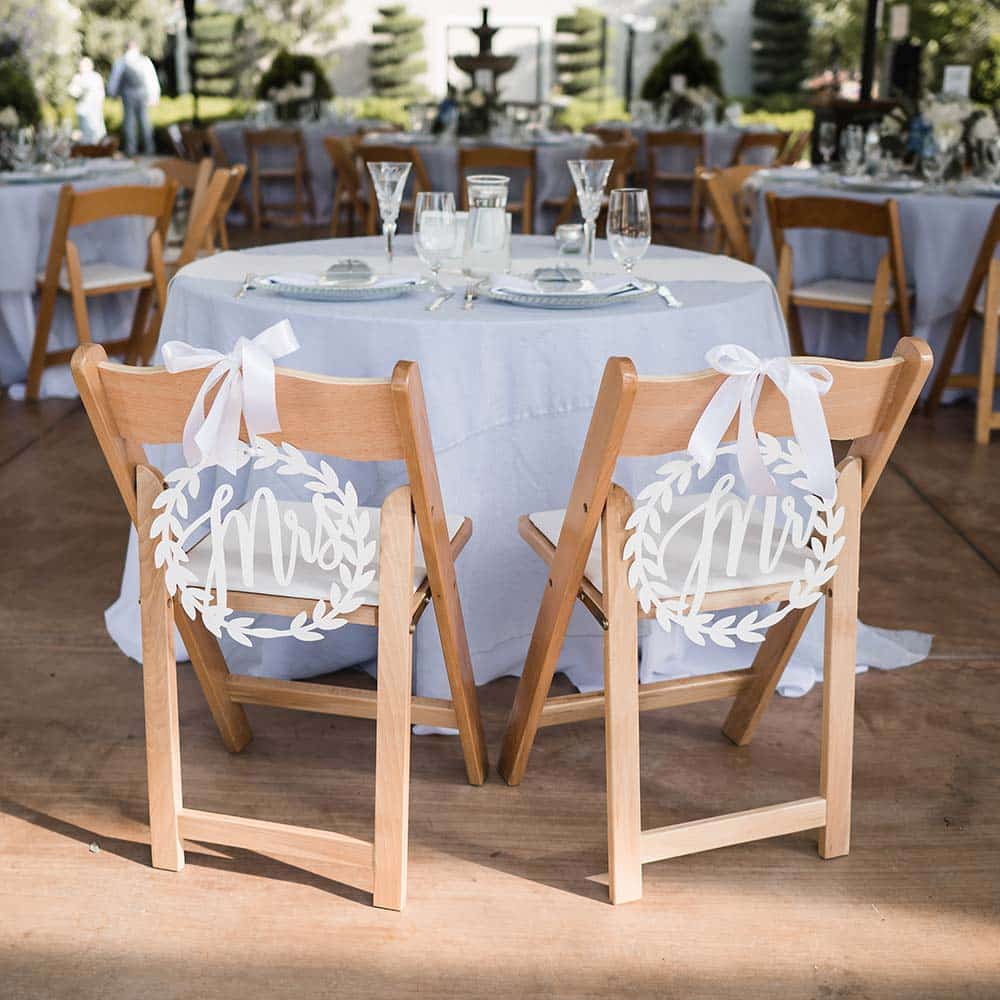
[(827, 142), (630, 226), (389, 179), (589, 178), (435, 230), (933, 162), (852, 148), (22, 152)]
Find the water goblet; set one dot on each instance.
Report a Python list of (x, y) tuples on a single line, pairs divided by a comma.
[(852, 148), (435, 231), (389, 179), (22, 151), (630, 226), (589, 178), (933, 162), (827, 142)]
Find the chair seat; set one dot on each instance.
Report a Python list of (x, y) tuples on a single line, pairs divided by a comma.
[(101, 275), (841, 290), (684, 546), (308, 581)]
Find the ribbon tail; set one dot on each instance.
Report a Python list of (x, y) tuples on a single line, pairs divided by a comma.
[(713, 422), (809, 425), (759, 481)]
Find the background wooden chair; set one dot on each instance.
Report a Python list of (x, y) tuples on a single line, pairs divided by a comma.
[(232, 193), (868, 405), (724, 195), (107, 147), (775, 141), (688, 147), (887, 293), (278, 156), (65, 273), (201, 226), (502, 160), (348, 189), (191, 178), (611, 134), (416, 182), (981, 297), (201, 142), (623, 155), (357, 420), (795, 149)]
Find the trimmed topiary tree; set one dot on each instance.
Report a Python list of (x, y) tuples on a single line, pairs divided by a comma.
[(686, 57), (17, 89), (780, 45), (580, 53), (217, 64), (394, 63)]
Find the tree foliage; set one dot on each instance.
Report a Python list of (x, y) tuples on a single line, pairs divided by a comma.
[(394, 61), (580, 53), (218, 61), (688, 58), (45, 35), (269, 26), (108, 25), (17, 90), (780, 45)]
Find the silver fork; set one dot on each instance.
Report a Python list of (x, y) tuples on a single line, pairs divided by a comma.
[(247, 286), (668, 297)]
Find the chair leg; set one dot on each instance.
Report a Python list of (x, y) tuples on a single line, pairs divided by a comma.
[(212, 673), (395, 683), (137, 334), (837, 743), (159, 680), (795, 330), (988, 360), (621, 709), (43, 325), (946, 362)]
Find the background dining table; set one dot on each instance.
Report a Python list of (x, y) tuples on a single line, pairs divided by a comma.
[(27, 215), (509, 394)]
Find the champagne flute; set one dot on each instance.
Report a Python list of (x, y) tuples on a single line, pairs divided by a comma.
[(589, 178), (827, 142), (435, 231), (630, 226), (389, 179)]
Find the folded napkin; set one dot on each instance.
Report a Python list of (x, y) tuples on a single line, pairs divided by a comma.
[(313, 280), (601, 286)]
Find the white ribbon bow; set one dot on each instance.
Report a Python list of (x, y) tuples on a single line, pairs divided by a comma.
[(801, 385), (247, 389)]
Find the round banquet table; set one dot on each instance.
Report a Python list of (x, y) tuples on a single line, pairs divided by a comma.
[(27, 214), (509, 395), (941, 232)]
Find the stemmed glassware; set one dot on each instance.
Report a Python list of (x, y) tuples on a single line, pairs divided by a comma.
[(933, 161), (435, 231), (630, 226), (852, 148), (22, 149), (389, 179), (589, 178), (827, 142)]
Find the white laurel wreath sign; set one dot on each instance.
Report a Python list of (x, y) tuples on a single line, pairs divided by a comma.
[(677, 592), (339, 543)]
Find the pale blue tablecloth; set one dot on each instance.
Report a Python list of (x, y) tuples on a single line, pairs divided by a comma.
[(509, 395), (27, 214)]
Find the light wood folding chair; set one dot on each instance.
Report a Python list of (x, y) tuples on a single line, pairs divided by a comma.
[(200, 142), (611, 135), (583, 547), (357, 420), (348, 189), (65, 273), (623, 155), (202, 222), (192, 178), (748, 141), (690, 145), (262, 144), (499, 159), (794, 149), (219, 237), (107, 147), (982, 298), (417, 181), (888, 293), (724, 194)]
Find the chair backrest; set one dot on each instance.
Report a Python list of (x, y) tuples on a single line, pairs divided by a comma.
[(690, 142), (108, 146), (203, 217), (391, 153), (794, 149), (724, 191), (759, 140), (260, 141), (189, 175), (196, 142), (623, 154), (360, 420), (219, 236), (611, 133), (342, 154)]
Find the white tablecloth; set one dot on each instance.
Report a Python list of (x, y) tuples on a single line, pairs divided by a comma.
[(509, 395), (941, 234), (27, 214)]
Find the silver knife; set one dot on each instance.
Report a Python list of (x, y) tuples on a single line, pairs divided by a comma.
[(667, 296)]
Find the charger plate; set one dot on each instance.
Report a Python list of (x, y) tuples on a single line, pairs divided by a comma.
[(336, 292), (567, 300)]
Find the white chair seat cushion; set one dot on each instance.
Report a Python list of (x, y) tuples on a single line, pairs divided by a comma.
[(854, 293), (308, 580), (101, 275), (684, 546)]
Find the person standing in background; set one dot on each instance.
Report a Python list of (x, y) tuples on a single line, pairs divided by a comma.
[(133, 79), (87, 89)]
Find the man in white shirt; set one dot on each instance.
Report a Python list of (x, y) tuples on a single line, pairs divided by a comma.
[(133, 79), (87, 89)]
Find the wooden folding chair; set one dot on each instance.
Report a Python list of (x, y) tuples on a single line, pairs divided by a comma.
[(192, 178), (358, 420), (724, 194), (748, 141), (219, 237), (611, 135), (417, 181), (107, 147), (348, 189), (264, 144), (982, 297), (65, 273), (583, 547), (690, 145), (795, 149), (202, 222), (200, 142), (623, 155), (500, 159), (888, 293)]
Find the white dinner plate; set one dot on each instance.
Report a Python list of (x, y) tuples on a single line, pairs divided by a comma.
[(319, 289), (538, 299)]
